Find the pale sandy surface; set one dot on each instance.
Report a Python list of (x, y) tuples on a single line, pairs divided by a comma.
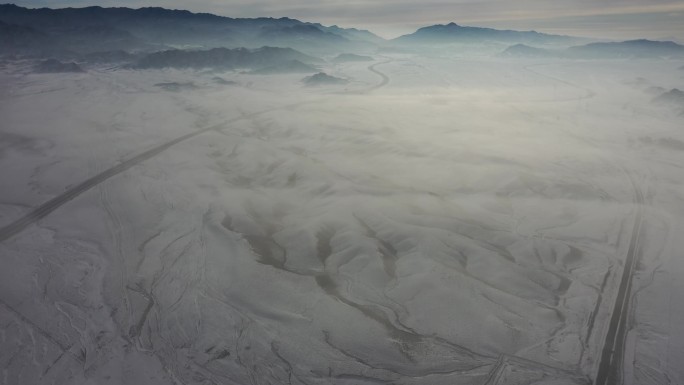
[(465, 223)]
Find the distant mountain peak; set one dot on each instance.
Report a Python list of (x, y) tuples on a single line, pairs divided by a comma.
[(322, 78), (454, 33)]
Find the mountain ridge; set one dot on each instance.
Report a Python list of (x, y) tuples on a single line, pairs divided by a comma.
[(161, 28), (455, 33), (226, 59)]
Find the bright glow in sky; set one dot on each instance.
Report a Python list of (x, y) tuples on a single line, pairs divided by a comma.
[(390, 18)]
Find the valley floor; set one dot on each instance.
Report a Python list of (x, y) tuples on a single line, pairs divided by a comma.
[(434, 221)]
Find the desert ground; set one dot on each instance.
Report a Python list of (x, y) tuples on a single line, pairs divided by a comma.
[(438, 219)]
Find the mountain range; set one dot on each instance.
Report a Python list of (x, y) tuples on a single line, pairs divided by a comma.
[(90, 29), (157, 37)]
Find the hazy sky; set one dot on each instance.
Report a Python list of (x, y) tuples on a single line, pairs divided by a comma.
[(390, 18)]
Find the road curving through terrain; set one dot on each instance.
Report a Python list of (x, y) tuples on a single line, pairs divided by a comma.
[(53, 204)]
